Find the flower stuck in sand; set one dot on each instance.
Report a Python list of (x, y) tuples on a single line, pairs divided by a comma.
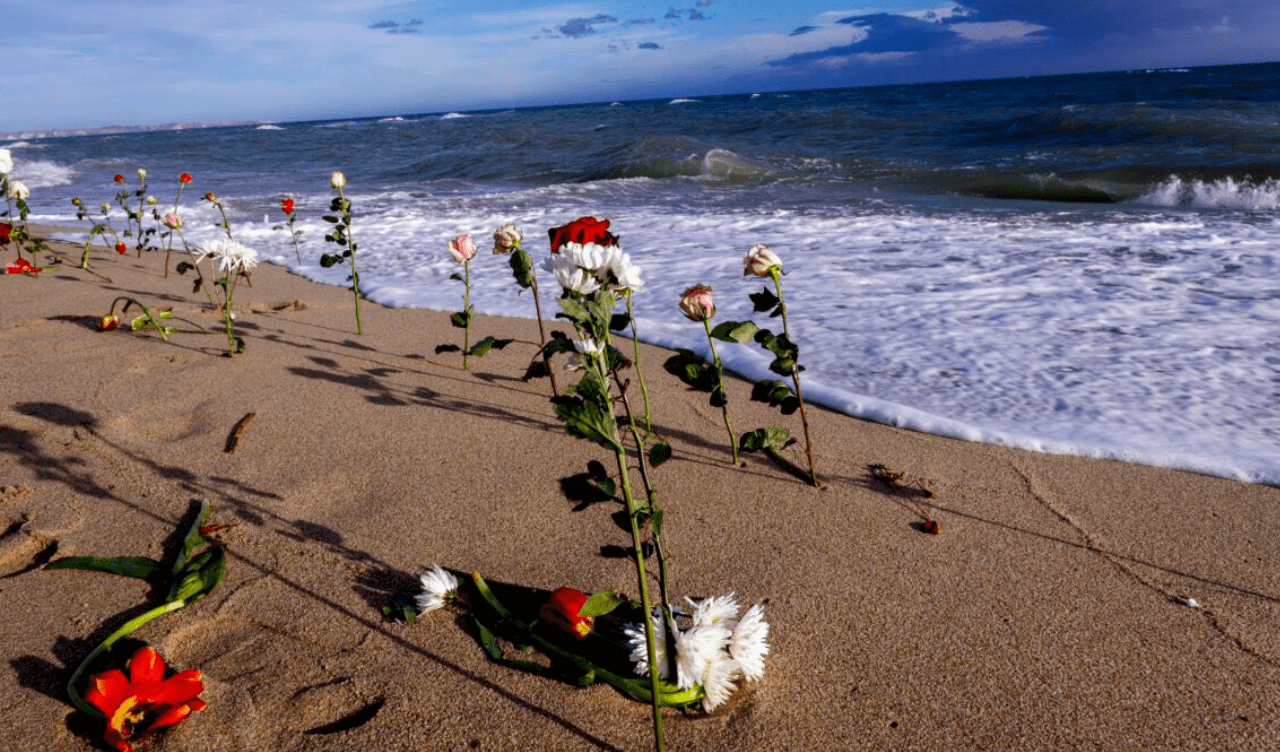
[(439, 587), (232, 257), (172, 221), (563, 611), (144, 700), (6, 162), (19, 190), (286, 206), (185, 178), (337, 180), (507, 239), (6, 230), (582, 231), (697, 304), (462, 248)]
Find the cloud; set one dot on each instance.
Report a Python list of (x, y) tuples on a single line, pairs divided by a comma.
[(649, 46), (394, 27), (581, 27)]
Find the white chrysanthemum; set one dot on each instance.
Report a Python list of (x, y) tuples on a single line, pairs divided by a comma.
[(591, 257), (748, 646), (640, 647), (622, 275), (437, 587), (696, 648), (576, 279), (721, 610), (718, 682), (19, 190), (6, 162), (230, 255)]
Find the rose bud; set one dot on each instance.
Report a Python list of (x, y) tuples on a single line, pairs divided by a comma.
[(462, 248), (184, 178), (337, 179), (286, 205), (696, 303), (118, 178), (561, 610), (210, 197), (172, 221), (121, 248), (760, 261), (108, 323), (930, 527), (142, 174), (506, 239)]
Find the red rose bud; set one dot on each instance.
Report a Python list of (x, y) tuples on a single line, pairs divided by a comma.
[(582, 231), (210, 197), (561, 611), (121, 248), (286, 205), (930, 527), (6, 229), (184, 178), (119, 178), (108, 323)]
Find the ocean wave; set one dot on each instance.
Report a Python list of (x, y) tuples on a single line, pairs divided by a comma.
[(453, 115), (37, 173), (1224, 193), (269, 127), (682, 101)]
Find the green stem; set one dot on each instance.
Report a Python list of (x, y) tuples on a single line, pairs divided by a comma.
[(795, 379), (644, 390), (542, 333), (123, 631), (733, 440), (466, 311), (351, 246)]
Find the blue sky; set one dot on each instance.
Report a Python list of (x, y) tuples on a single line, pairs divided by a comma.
[(84, 64)]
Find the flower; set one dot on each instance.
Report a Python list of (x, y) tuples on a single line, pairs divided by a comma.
[(6, 230), (721, 610), (185, 178), (583, 230), (337, 180), (231, 256), (562, 610), (144, 701), (622, 276), (108, 323), (6, 162), (118, 178), (142, 174), (21, 266), (19, 190), (718, 682), (439, 586), (696, 649), (507, 239), (121, 248), (747, 646), (696, 303), (640, 646), (210, 197), (173, 221), (760, 261), (152, 200), (106, 208), (286, 205), (462, 248), (586, 346)]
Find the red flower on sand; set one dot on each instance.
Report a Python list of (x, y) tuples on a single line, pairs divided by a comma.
[(6, 230), (184, 178), (286, 205), (582, 230), (144, 701), (561, 611), (121, 248), (21, 266), (109, 323)]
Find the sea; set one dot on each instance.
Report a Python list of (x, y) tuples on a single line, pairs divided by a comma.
[(1080, 264)]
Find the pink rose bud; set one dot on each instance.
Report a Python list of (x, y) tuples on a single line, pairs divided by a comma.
[(561, 611), (696, 303), (506, 239), (172, 221), (760, 260), (462, 248)]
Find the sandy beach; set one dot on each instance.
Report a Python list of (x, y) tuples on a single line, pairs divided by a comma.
[(1066, 603)]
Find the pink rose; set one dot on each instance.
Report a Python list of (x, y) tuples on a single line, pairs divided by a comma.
[(760, 261), (696, 303), (462, 248)]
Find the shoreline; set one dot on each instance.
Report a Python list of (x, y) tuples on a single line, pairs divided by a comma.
[(1049, 612)]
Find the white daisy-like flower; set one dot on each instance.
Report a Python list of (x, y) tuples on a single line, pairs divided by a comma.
[(719, 610), (621, 275), (6, 162), (640, 646), (696, 649), (576, 279), (590, 256), (748, 644), (718, 682), (438, 587), (230, 255)]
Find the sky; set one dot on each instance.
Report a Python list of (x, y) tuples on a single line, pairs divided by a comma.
[(84, 63)]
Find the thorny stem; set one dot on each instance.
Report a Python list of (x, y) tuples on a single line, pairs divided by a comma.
[(795, 379), (733, 440), (355, 276)]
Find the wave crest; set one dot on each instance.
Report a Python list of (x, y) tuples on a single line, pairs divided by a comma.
[(1224, 193)]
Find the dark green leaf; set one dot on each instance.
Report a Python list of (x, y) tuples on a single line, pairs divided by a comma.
[(619, 321), (764, 300), (128, 566), (522, 268), (456, 276), (328, 260), (460, 319), (488, 641), (735, 331), (600, 603), (659, 453)]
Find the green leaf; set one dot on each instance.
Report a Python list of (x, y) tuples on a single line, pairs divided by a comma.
[(764, 300), (600, 603), (460, 319), (740, 332), (690, 368), (488, 640), (763, 438), (488, 343), (659, 453), (456, 276), (522, 268), (328, 260), (619, 321), (127, 566)]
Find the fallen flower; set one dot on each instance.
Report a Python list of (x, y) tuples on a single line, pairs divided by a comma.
[(439, 587), (108, 323), (145, 700), (562, 609), (22, 266), (930, 527)]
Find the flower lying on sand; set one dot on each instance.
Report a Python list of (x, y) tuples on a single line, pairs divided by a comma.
[(562, 610), (145, 700), (22, 266), (713, 651), (439, 587)]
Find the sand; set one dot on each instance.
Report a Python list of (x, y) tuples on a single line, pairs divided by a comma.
[(1050, 612)]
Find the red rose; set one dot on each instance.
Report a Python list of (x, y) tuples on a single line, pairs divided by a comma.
[(119, 178), (5, 230), (22, 266), (286, 205), (562, 610), (582, 231), (184, 178), (930, 527), (210, 197), (121, 248)]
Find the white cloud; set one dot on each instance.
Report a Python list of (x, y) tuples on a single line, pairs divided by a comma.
[(996, 31)]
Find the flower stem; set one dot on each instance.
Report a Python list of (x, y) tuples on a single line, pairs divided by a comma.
[(351, 246), (542, 333), (466, 311), (644, 390), (733, 440), (123, 631), (795, 379)]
